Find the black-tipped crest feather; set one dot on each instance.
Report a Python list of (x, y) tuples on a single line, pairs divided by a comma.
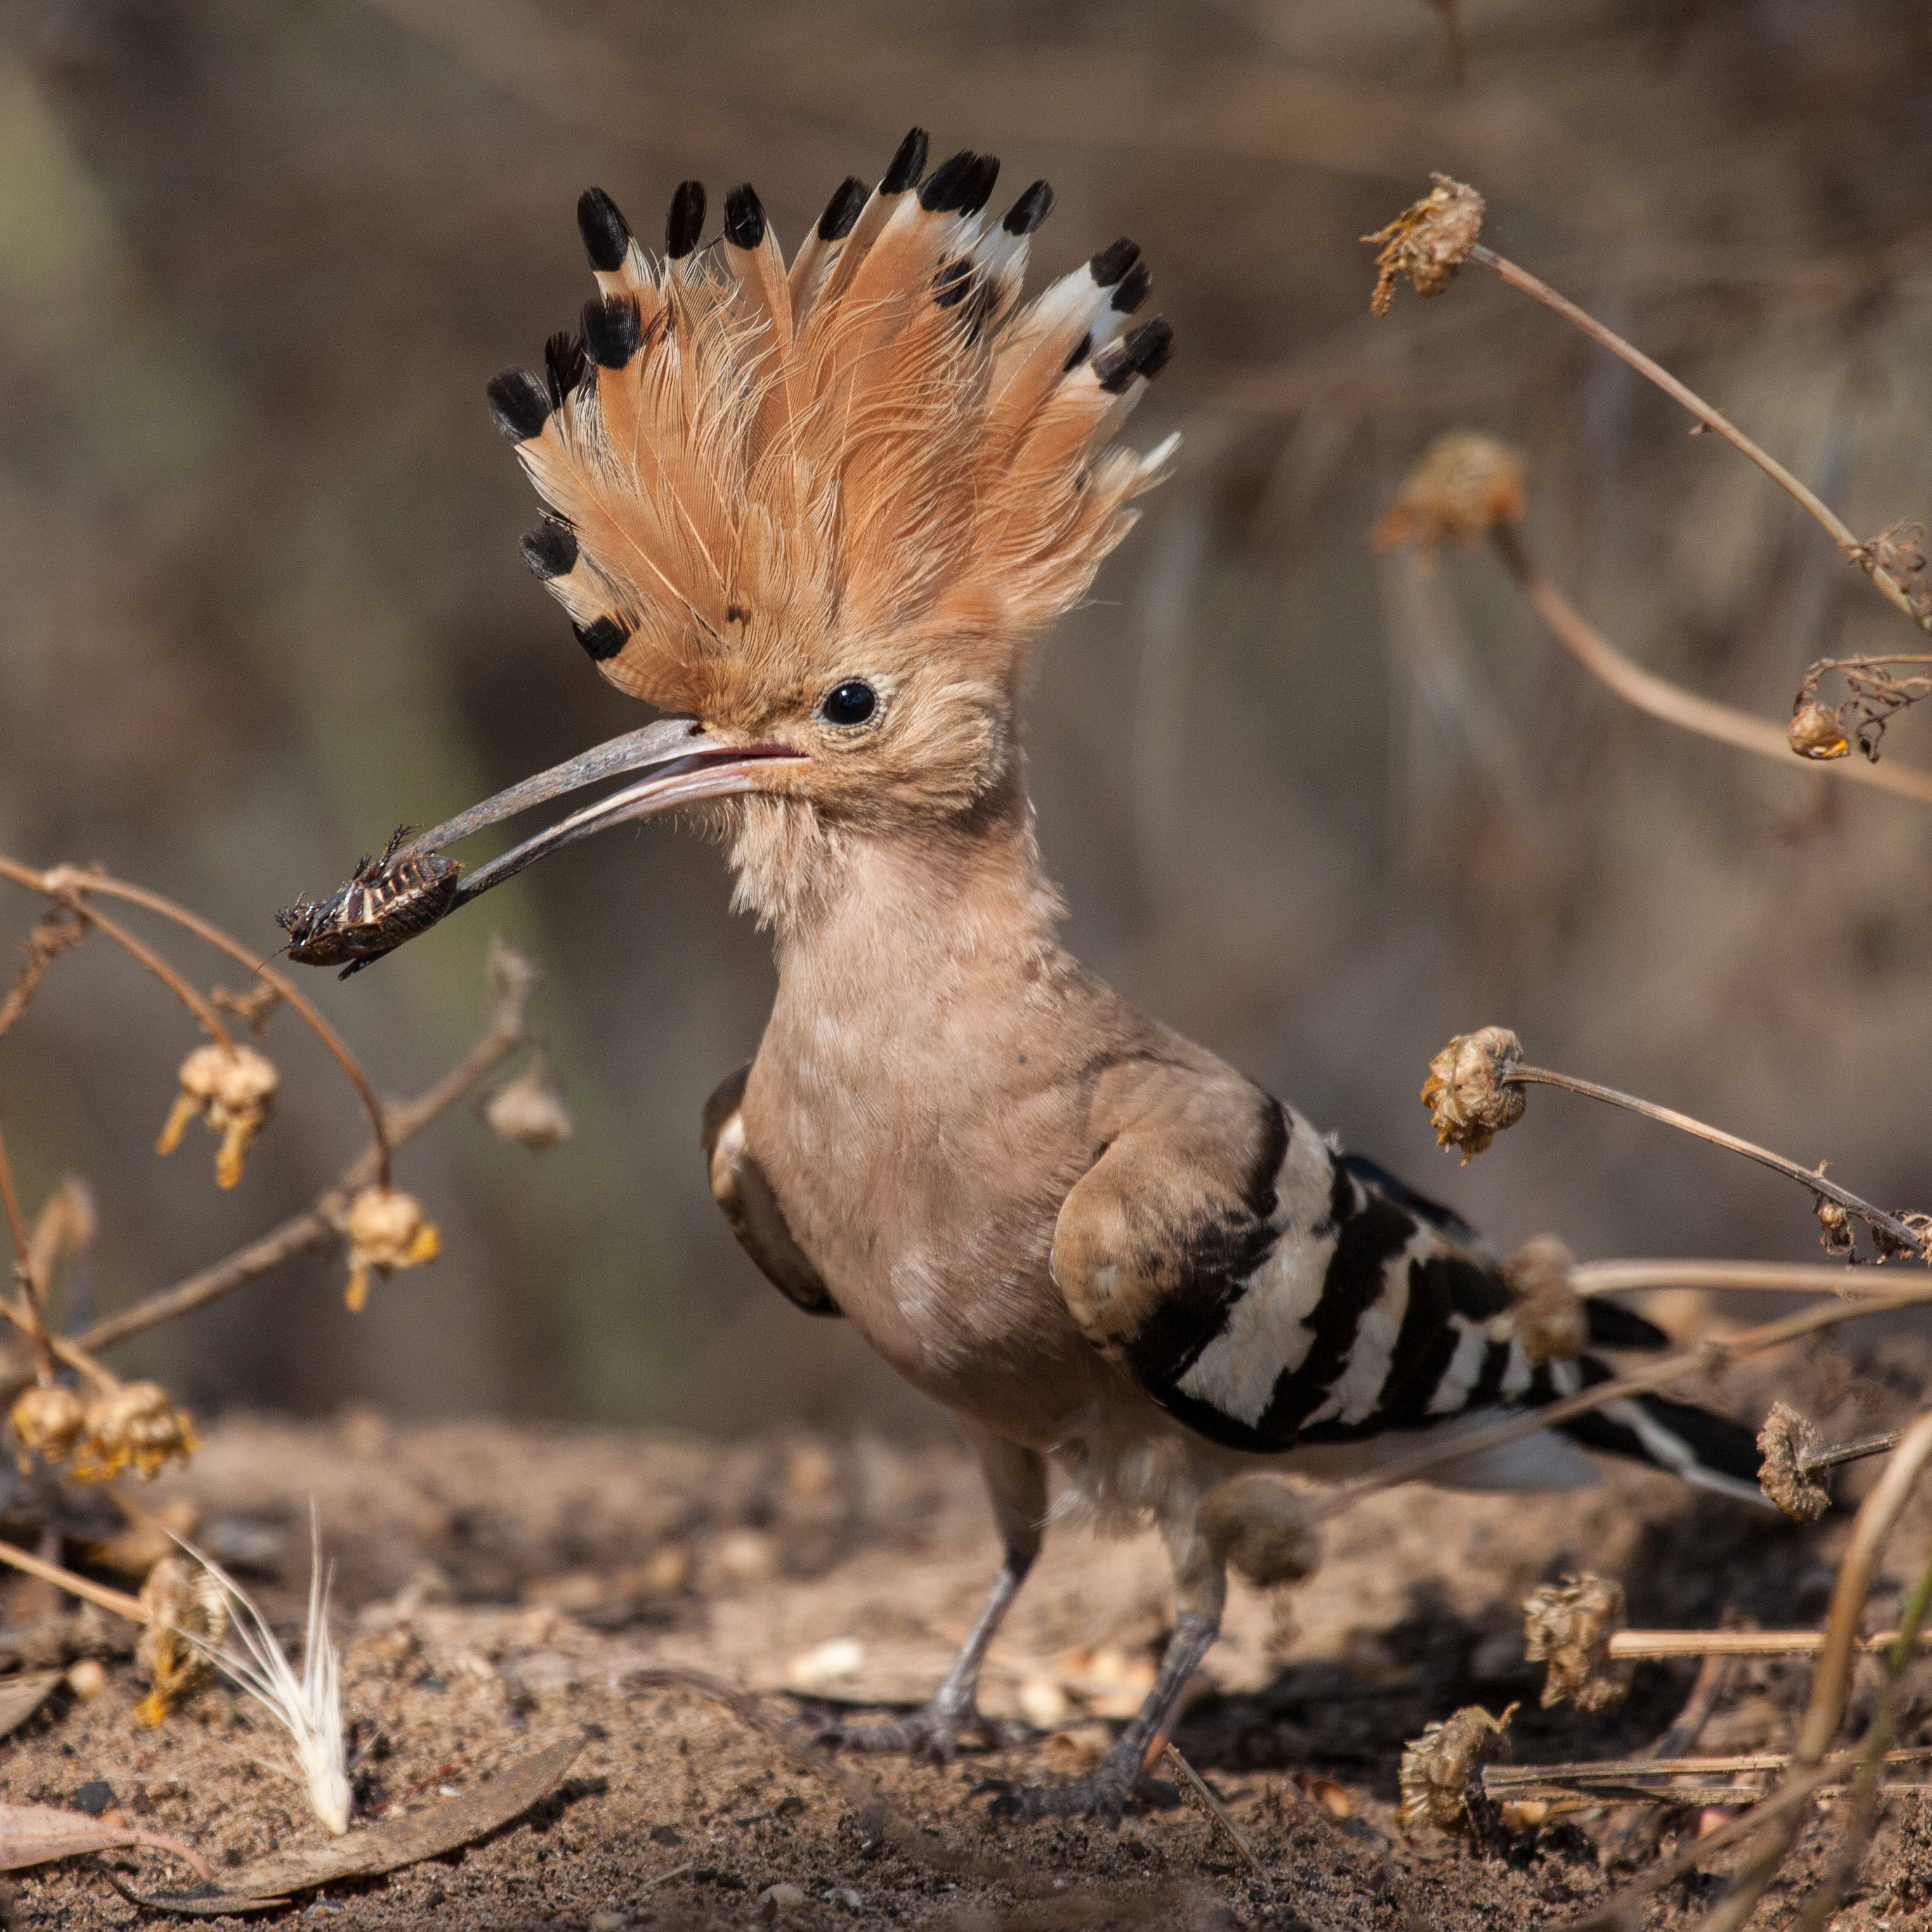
[(744, 217), (519, 403), (1141, 351), (1033, 208), (908, 164), (842, 210), (685, 222), (1113, 262), (606, 235), (612, 331), (549, 550)]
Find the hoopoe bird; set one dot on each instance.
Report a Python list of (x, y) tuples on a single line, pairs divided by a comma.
[(818, 513)]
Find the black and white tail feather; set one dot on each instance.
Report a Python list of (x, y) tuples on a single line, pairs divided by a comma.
[(1353, 1309)]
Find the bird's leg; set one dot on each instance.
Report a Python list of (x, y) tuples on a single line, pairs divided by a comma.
[(1122, 1773), (1016, 1481)]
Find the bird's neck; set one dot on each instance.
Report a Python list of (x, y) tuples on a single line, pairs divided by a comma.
[(858, 912)]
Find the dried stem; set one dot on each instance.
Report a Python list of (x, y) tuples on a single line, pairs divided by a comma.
[(1867, 1790), (1703, 1358), (1738, 1643), (1831, 1681), (1194, 1787), (1833, 1453), (202, 1010), (1675, 705), (1911, 1238), (23, 1266), (318, 1223), (1616, 1277), (67, 884), (121, 1604), (1521, 279)]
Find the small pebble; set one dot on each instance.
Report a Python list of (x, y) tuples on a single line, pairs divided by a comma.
[(776, 1901), (88, 1678), (608, 1922), (844, 1894)]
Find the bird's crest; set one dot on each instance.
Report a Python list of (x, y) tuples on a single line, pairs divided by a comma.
[(744, 462)]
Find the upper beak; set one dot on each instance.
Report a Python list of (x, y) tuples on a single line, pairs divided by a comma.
[(681, 765)]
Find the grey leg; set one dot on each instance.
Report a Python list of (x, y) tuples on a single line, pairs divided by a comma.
[(1122, 1770), (1016, 1482)]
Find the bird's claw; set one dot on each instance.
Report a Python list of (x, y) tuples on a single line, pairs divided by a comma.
[(935, 1732), (1104, 1796)]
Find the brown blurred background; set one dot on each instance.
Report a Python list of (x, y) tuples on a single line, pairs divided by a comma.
[(260, 601)]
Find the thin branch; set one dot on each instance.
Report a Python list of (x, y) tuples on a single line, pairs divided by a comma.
[(1912, 1239), (1194, 1787), (318, 1223), (1675, 705), (145, 955), (1704, 1358), (1834, 1453), (1522, 280), (66, 884)]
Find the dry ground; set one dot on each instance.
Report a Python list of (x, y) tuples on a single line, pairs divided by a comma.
[(499, 1586)]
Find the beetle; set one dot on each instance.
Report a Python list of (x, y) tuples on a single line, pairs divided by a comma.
[(384, 902)]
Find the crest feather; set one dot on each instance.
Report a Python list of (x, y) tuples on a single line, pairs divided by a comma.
[(742, 462)]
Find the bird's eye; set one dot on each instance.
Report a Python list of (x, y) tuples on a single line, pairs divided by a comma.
[(851, 702)]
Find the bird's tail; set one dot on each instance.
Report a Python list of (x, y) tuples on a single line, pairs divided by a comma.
[(1710, 1451)]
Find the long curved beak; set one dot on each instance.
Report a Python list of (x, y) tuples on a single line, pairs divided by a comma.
[(684, 765), (412, 886)]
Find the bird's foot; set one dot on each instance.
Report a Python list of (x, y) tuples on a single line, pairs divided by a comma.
[(935, 1731), (1118, 1779)]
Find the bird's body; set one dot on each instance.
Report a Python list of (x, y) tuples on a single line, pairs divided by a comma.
[(822, 512)]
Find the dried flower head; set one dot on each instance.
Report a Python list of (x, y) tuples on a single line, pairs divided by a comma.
[(1428, 241), (529, 1111), (1816, 732), (1462, 487), (135, 1425), (1834, 1227), (1568, 1626), (1899, 550), (1441, 1773), (48, 1420), (1468, 1093), (187, 1618), (1262, 1527), (232, 1088), (1784, 1442), (1546, 1315), (387, 1230)]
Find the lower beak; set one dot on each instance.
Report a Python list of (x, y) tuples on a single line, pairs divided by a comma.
[(681, 765)]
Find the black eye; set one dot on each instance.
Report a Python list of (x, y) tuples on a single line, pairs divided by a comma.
[(851, 702)]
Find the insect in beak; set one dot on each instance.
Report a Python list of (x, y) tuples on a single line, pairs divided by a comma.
[(412, 886)]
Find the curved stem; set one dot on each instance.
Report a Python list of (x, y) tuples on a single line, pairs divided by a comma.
[(1522, 280), (1662, 699), (1900, 1231), (202, 1010), (65, 883), (1615, 1277), (121, 1604)]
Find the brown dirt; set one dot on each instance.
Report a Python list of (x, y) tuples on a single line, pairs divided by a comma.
[(499, 1586)]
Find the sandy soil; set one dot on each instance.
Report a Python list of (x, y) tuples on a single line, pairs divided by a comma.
[(499, 1587)]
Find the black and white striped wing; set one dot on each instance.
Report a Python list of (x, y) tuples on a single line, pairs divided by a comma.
[(1277, 1291)]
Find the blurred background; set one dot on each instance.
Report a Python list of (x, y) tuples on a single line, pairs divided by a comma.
[(261, 601)]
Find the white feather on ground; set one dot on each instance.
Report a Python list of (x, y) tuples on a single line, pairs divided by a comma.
[(309, 1707)]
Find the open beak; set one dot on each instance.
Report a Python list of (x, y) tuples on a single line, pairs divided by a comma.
[(681, 764), (412, 886)]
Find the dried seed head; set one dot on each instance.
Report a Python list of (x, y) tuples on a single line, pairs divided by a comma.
[(529, 1111), (1816, 732), (1441, 1774), (1427, 241), (1545, 1314), (1462, 487), (1467, 1091), (1834, 1227), (1262, 1527), (232, 1088), (1899, 550), (134, 1425), (1568, 1626), (387, 1230), (1784, 1440), (187, 1618), (49, 1421)]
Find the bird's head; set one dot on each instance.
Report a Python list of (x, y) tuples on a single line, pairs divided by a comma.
[(817, 512)]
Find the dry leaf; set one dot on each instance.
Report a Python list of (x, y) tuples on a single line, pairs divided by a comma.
[(35, 1834)]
